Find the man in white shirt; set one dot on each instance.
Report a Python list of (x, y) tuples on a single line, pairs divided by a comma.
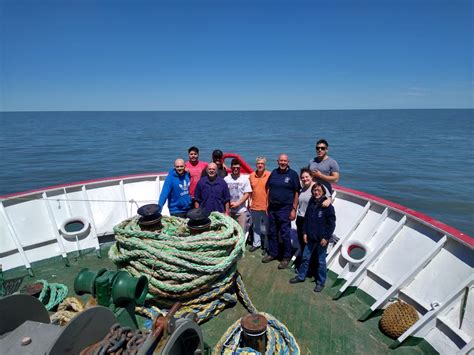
[(239, 188)]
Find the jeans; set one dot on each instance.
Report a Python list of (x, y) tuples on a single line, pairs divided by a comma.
[(279, 224), (260, 226), (242, 219), (322, 269)]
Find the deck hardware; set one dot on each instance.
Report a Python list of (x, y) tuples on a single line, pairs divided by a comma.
[(25, 341), (354, 251), (354, 226), (116, 290), (199, 220), (254, 332), (150, 217), (363, 267)]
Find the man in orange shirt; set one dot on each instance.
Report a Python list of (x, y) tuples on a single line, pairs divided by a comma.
[(258, 204)]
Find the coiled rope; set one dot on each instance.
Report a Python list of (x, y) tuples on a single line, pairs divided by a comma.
[(52, 294), (279, 338), (199, 270)]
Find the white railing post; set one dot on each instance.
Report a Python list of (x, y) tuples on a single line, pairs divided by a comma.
[(430, 316), (371, 257), (91, 218), (16, 240), (54, 228), (405, 279), (338, 245), (124, 203)]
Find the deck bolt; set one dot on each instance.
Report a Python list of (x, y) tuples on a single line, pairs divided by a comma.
[(25, 341)]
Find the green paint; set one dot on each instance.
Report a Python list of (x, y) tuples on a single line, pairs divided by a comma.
[(319, 324)]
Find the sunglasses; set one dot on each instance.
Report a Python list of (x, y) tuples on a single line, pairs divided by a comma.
[(321, 148)]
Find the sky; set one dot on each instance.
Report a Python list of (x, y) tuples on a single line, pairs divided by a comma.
[(235, 55)]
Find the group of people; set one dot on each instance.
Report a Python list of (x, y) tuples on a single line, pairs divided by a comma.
[(267, 202)]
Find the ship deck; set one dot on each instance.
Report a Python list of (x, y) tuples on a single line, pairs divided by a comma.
[(319, 324)]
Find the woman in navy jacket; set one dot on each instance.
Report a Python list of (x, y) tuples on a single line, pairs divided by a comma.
[(319, 225)]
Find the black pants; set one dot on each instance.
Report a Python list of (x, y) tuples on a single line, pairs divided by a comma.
[(299, 229)]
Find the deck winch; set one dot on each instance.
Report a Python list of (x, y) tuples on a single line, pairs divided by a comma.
[(116, 290)]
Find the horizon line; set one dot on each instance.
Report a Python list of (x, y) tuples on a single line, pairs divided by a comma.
[(256, 110)]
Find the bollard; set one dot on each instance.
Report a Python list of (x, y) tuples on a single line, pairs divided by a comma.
[(254, 332)]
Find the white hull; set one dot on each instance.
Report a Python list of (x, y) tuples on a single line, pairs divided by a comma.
[(410, 256)]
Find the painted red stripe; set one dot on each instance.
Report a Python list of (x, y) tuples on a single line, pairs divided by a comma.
[(467, 239)]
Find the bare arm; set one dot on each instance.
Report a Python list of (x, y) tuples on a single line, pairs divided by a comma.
[(295, 207), (244, 198), (334, 177)]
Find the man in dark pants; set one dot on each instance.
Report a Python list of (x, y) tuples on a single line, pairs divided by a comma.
[(283, 187)]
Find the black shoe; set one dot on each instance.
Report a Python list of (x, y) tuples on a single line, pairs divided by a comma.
[(267, 259), (284, 264), (318, 288), (252, 249), (295, 280)]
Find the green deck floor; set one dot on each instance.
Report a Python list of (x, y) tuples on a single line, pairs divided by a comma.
[(320, 324)]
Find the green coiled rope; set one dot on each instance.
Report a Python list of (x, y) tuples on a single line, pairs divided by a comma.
[(197, 269), (52, 294)]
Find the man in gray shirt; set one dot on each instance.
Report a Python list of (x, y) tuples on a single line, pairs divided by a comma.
[(324, 169)]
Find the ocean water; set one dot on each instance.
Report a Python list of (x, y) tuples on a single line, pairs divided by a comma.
[(422, 159)]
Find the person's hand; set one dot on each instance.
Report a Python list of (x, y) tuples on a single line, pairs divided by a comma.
[(305, 239), (327, 202), (234, 204), (324, 242), (292, 215), (316, 173)]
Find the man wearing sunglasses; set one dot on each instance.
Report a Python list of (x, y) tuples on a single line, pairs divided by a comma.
[(324, 169)]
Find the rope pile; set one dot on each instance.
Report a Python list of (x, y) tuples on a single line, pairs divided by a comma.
[(198, 270), (67, 309), (52, 294)]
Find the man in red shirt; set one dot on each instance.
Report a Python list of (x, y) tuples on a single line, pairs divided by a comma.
[(195, 168)]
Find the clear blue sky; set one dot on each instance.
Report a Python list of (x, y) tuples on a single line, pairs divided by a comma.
[(235, 55)]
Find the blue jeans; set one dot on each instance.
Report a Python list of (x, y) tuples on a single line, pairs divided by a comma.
[(260, 228), (322, 269)]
